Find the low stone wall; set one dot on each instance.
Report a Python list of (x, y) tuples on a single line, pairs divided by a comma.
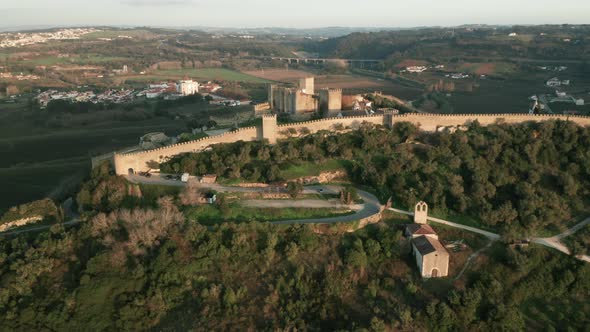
[(275, 196), (252, 185), (20, 222), (369, 221)]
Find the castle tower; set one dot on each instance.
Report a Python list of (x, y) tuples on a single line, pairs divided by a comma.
[(269, 128), (388, 119), (330, 104), (307, 85), (271, 95), (421, 213)]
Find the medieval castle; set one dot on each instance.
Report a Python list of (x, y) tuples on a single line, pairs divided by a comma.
[(303, 101), (300, 103)]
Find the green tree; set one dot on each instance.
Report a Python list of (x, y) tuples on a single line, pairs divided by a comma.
[(294, 188)]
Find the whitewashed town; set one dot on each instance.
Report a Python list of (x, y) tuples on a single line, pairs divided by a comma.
[(165, 90)]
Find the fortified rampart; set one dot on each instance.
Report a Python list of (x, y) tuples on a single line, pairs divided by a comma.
[(138, 161), (270, 131)]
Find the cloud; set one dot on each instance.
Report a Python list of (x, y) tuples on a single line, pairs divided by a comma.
[(158, 2)]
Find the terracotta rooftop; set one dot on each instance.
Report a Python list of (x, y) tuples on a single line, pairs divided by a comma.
[(427, 245), (420, 229)]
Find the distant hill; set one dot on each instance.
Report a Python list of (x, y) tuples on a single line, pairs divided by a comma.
[(537, 42)]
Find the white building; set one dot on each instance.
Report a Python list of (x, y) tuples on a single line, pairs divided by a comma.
[(431, 257), (416, 69), (560, 94), (188, 87), (555, 82)]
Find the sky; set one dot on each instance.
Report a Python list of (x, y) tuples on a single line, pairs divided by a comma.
[(291, 14)]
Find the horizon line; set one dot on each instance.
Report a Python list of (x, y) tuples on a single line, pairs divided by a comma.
[(32, 27)]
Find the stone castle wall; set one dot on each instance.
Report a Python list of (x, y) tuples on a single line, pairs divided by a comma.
[(304, 103), (314, 126), (431, 122), (137, 162), (261, 107), (270, 131)]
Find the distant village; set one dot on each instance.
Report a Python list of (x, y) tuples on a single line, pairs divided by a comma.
[(165, 90), (22, 39), (541, 102)]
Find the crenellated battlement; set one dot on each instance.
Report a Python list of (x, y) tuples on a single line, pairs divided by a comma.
[(270, 131), (344, 118), (495, 115), (204, 139)]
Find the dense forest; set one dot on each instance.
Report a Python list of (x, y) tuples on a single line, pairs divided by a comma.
[(138, 262), (517, 179), (117, 272)]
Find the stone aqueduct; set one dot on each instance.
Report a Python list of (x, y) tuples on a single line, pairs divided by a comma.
[(271, 131)]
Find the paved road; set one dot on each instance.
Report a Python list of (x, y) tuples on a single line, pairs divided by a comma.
[(551, 242), (303, 203), (39, 228), (370, 207), (157, 179)]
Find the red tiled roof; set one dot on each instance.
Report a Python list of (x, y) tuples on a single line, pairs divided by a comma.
[(426, 245), (420, 229)]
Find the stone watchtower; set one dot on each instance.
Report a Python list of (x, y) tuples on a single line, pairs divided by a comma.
[(388, 118), (307, 85), (269, 128), (330, 104), (421, 213)]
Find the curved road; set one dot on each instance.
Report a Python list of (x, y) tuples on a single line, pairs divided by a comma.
[(39, 228), (370, 207), (489, 235)]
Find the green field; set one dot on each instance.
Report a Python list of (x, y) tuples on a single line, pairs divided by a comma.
[(116, 33), (210, 74), (32, 182), (84, 60)]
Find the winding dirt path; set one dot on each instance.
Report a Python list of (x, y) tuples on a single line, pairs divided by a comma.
[(550, 242)]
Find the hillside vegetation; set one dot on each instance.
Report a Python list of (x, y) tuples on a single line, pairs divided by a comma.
[(517, 179), (144, 260)]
